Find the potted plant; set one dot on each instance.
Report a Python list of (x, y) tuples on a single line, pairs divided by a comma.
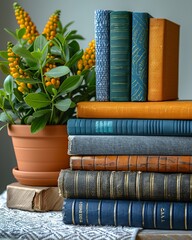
[(47, 74)]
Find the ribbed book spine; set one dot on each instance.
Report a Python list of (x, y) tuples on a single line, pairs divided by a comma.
[(139, 66), (102, 54), (129, 127), (129, 145), (125, 185), (120, 55), (144, 214), (180, 164)]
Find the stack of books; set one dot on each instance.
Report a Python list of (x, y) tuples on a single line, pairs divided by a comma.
[(131, 160)]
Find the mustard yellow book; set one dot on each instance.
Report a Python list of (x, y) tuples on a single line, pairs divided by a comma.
[(163, 64), (178, 109)]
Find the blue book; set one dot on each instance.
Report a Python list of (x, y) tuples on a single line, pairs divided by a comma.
[(120, 56), (129, 145), (144, 214), (102, 54), (140, 45), (144, 127)]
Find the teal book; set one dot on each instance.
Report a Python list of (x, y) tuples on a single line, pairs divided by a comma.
[(143, 214), (139, 65), (120, 55)]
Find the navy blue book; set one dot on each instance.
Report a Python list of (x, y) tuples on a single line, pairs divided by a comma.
[(140, 46), (144, 127), (145, 214)]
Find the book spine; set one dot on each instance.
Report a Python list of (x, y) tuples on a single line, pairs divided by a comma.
[(180, 164), (129, 145), (139, 66), (129, 127), (144, 214), (125, 185), (102, 53), (143, 110), (120, 55)]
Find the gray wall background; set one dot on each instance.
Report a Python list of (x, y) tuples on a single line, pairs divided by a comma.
[(82, 13)]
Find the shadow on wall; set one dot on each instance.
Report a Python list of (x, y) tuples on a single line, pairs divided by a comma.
[(7, 160)]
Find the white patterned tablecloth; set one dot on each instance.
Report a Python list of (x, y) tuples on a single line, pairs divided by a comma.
[(18, 224)]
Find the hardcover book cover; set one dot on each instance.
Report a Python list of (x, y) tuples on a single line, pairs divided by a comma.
[(143, 214), (144, 163), (120, 55), (139, 63), (102, 53), (129, 185), (163, 60), (180, 109)]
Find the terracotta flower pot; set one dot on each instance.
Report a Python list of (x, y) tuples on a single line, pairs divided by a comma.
[(44, 152)]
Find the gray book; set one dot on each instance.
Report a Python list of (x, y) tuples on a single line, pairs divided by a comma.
[(135, 145)]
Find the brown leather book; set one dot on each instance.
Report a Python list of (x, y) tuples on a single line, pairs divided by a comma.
[(181, 164), (178, 109), (163, 60)]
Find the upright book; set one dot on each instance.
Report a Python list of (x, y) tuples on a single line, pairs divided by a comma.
[(102, 53), (139, 63), (163, 60), (144, 110), (96, 126), (143, 214), (120, 55), (144, 163), (125, 185)]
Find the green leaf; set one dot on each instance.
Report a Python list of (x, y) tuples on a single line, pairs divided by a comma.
[(20, 32), (63, 105), (28, 80), (26, 54), (8, 84), (4, 68), (37, 55), (70, 84), (58, 72), (39, 123), (5, 118), (37, 100), (41, 113), (74, 58), (4, 54), (13, 34), (60, 38), (39, 43)]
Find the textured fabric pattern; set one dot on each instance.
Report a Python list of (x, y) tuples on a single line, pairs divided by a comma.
[(17, 224), (102, 54)]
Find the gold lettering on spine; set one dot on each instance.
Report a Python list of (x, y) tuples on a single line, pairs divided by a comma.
[(73, 212), (143, 214), (111, 184), (178, 187), (138, 175), (186, 228), (98, 184), (115, 213), (76, 183), (165, 187), (87, 213), (151, 184), (154, 215), (126, 185), (171, 216), (129, 213), (99, 213)]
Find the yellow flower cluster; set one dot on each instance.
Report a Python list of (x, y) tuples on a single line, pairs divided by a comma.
[(24, 21), (88, 58), (16, 71), (50, 29)]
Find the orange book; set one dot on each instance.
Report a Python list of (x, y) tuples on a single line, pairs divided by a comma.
[(181, 164), (163, 60), (143, 110)]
